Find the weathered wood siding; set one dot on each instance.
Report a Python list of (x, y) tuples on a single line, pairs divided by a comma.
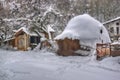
[(22, 42), (67, 47), (115, 50)]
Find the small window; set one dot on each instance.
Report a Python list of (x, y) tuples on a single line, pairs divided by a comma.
[(117, 23), (112, 30), (117, 28), (34, 39), (101, 31)]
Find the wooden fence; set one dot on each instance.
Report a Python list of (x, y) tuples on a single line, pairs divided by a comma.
[(115, 50), (104, 50)]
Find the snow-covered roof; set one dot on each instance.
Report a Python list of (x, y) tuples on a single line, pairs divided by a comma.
[(111, 20), (26, 31), (84, 27), (22, 28)]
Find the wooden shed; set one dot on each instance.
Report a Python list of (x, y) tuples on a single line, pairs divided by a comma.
[(24, 40), (81, 35)]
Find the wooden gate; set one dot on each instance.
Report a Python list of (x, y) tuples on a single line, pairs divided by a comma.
[(102, 50)]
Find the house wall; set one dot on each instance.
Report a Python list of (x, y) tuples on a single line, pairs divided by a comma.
[(67, 47), (12, 42), (22, 42), (113, 29)]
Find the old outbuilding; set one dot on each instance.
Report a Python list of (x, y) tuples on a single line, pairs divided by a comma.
[(24, 39), (81, 35)]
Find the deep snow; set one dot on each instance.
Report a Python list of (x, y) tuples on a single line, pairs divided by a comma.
[(86, 29), (43, 65), (87, 25)]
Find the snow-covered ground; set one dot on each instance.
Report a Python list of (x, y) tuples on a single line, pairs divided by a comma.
[(43, 65)]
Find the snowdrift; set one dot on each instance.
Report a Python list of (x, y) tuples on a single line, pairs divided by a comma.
[(87, 29)]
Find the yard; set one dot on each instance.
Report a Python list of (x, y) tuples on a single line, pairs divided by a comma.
[(44, 65)]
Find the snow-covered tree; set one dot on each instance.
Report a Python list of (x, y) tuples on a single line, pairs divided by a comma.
[(41, 13)]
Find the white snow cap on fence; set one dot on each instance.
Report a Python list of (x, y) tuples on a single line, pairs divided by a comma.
[(86, 29)]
